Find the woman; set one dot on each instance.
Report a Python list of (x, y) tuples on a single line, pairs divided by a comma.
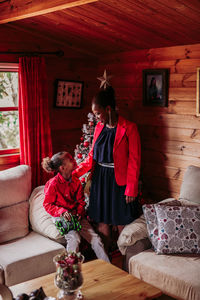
[(114, 160)]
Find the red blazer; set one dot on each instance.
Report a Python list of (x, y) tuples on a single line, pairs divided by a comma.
[(126, 155)]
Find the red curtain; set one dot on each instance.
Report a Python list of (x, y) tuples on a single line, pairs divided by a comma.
[(35, 134)]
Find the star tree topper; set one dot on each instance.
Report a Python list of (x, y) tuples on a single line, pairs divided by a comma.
[(104, 80)]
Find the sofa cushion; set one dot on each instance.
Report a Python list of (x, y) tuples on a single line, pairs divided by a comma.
[(33, 252), (40, 220), (15, 185), (178, 229), (190, 188), (151, 218), (14, 221), (176, 275)]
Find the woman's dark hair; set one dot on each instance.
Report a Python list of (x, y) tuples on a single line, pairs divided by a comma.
[(105, 97), (53, 164)]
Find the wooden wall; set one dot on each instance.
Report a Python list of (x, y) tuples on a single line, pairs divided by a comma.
[(66, 123), (170, 135)]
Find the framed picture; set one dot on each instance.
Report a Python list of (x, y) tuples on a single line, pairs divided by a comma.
[(69, 93), (155, 87), (198, 93)]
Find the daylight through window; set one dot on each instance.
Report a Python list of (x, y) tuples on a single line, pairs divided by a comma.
[(9, 121)]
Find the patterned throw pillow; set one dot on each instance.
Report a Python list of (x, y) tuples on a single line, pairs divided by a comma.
[(178, 229), (151, 219)]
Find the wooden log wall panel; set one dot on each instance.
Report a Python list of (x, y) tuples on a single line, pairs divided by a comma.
[(174, 147), (170, 172), (181, 52), (66, 123), (168, 159), (170, 136), (158, 118)]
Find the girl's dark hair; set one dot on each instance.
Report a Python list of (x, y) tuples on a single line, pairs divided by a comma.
[(53, 164), (105, 97)]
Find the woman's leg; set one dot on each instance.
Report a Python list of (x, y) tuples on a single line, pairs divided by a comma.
[(120, 228), (104, 230), (88, 233)]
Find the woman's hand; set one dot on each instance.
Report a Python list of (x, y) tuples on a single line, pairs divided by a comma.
[(129, 199), (78, 217), (67, 216)]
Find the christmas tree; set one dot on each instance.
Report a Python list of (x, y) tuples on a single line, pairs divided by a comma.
[(82, 150)]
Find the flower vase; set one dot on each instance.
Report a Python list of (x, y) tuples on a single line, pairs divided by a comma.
[(69, 277)]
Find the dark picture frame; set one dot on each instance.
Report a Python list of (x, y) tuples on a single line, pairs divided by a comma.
[(198, 93), (69, 93), (155, 87)]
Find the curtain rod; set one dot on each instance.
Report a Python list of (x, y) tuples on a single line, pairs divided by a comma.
[(57, 53)]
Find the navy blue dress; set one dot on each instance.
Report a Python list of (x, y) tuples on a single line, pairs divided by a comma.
[(107, 200)]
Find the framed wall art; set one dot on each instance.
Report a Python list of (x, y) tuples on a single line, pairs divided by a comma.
[(155, 87), (69, 93), (198, 93)]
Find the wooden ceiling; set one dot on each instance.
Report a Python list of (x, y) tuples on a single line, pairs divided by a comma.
[(97, 27)]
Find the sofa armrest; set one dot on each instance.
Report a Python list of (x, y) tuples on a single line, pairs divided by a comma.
[(132, 233), (132, 250)]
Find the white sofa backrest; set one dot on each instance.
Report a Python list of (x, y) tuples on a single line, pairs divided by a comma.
[(15, 185), (15, 189), (190, 188)]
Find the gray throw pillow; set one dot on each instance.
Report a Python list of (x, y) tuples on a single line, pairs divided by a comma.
[(178, 229), (151, 219)]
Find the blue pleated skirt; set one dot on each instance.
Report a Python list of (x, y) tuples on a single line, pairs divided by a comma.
[(107, 200)]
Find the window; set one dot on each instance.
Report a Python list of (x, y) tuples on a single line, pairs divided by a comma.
[(9, 121)]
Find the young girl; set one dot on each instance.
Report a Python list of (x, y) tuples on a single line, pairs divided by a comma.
[(64, 196)]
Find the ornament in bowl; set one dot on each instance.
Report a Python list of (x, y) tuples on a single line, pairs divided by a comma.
[(69, 277)]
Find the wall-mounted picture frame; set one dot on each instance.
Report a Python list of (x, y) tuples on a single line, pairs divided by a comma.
[(69, 93), (198, 93), (155, 87)]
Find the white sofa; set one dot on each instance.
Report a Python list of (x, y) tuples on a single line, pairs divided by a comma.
[(28, 238), (177, 275)]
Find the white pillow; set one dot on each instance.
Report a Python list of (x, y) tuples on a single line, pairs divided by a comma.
[(132, 233), (40, 220)]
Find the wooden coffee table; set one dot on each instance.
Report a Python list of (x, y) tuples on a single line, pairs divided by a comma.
[(102, 281)]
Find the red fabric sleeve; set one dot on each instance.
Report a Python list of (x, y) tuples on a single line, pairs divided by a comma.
[(50, 200), (134, 160), (80, 198)]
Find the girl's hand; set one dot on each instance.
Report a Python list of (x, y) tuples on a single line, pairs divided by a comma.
[(129, 199), (67, 216)]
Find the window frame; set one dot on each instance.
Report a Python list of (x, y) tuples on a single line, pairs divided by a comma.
[(9, 67)]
